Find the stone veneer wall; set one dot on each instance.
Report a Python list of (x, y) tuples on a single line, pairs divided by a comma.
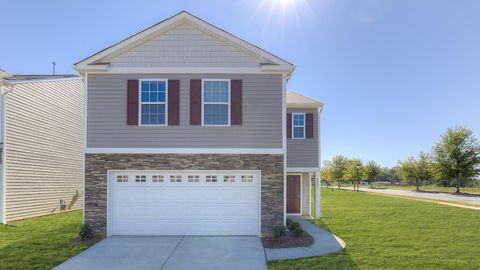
[(96, 166)]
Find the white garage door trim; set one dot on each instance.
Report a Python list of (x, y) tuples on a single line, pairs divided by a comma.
[(110, 179)]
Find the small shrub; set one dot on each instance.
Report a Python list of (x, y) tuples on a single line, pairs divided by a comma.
[(86, 232), (279, 231), (289, 222), (299, 232), (294, 225)]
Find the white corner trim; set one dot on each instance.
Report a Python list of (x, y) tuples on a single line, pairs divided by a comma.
[(271, 151), (302, 169)]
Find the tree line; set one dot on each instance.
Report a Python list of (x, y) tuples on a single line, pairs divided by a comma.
[(454, 161)]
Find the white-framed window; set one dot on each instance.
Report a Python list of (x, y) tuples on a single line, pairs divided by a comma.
[(153, 102), (194, 178), (298, 125), (122, 178), (140, 178), (229, 178), (157, 178), (175, 178), (211, 178), (247, 178), (216, 102)]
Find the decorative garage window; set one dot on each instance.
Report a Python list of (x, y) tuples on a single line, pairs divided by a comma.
[(247, 178), (157, 178), (298, 125), (175, 178), (140, 178), (229, 178), (216, 102), (122, 178), (194, 178), (153, 102), (211, 179)]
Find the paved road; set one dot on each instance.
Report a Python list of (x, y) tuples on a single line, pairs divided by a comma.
[(427, 195)]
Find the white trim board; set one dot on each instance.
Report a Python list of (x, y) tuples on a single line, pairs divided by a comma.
[(272, 151)]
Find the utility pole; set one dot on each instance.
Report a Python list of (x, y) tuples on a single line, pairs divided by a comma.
[(53, 67)]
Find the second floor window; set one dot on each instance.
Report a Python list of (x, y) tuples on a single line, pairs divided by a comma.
[(298, 125), (216, 102), (153, 102)]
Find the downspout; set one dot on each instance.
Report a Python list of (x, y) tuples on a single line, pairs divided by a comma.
[(318, 177)]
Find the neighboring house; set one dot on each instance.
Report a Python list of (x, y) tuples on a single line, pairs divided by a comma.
[(41, 120), (187, 135)]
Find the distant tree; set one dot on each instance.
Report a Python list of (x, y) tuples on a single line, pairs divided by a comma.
[(423, 169), (388, 174), (371, 171), (336, 168), (354, 172), (408, 171), (457, 156)]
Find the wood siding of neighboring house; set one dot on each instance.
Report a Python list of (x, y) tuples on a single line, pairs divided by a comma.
[(261, 122), (184, 45), (44, 148), (304, 152)]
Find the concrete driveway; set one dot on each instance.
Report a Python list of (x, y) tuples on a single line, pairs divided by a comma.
[(171, 252)]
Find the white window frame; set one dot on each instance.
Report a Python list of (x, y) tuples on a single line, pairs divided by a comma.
[(229, 102), (140, 103), (294, 126)]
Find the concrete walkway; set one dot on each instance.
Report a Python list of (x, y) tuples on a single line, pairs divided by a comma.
[(463, 198), (325, 243), (171, 252)]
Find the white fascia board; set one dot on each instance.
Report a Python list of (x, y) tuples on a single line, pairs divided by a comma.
[(272, 151), (180, 70), (302, 169)]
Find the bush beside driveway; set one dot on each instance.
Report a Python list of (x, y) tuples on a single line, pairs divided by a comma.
[(40, 243)]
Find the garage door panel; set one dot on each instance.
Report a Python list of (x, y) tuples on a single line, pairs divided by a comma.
[(184, 202), (156, 194)]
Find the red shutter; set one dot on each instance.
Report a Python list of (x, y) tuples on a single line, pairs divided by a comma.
[(236, 102), (309, 125), (289, 125), (195, 102), (132, 102), (173, 102)]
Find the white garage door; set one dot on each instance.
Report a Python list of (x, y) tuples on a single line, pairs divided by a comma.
[(184, 203)]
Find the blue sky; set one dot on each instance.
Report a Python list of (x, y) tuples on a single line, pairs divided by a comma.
[(393, 74)]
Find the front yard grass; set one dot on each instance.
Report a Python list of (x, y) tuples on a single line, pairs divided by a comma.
[(383, 232), (40, 243)]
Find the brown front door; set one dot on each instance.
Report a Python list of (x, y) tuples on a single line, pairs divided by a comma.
[(293, 194)]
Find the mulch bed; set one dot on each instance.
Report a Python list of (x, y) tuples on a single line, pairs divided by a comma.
[(288, 241)]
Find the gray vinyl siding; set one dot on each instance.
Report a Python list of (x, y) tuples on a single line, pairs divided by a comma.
[(44, 147), (304, 152), (107, 111), (184, 46)]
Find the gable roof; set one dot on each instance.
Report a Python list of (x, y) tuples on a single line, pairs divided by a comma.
[(272, 62), (295, 99)]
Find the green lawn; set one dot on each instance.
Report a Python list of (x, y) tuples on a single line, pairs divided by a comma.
[(470, 190), (394, 233), (40, 243)]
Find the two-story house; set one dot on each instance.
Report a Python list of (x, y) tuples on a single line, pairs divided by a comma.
[(189, 131)]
